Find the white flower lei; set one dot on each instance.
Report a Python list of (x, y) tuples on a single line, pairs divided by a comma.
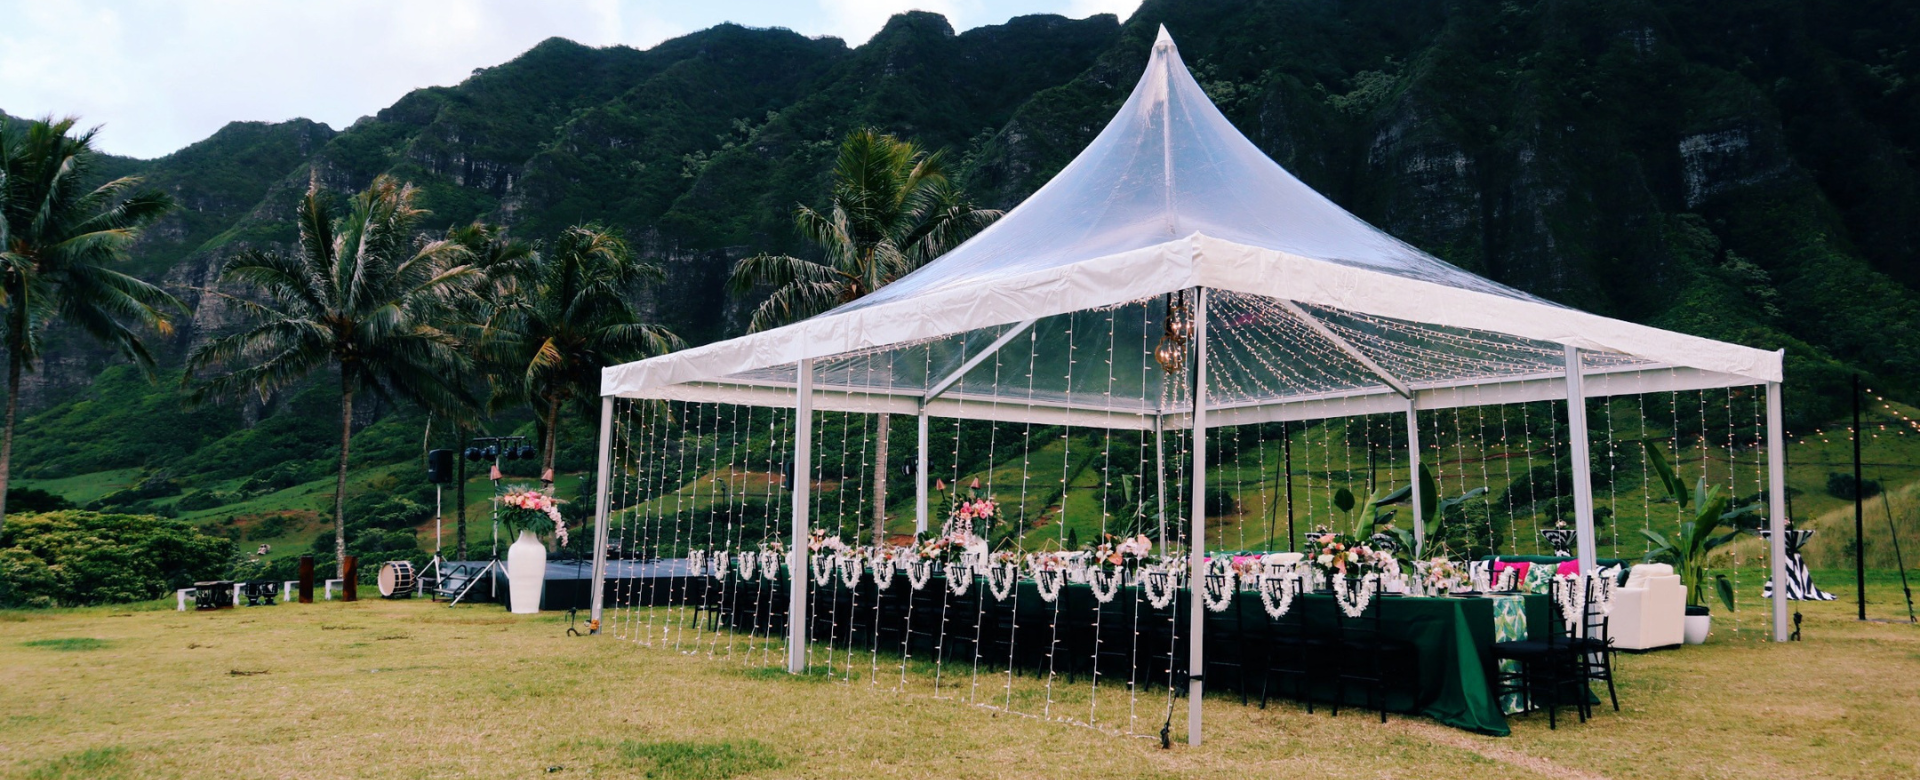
[(1571, 593), (721, 560), (959, 579), (1159, 595), (747, 563), (850, 569), (1049, 582), (1357, 606), (770, 564), (1227, 590), (1105, 584), (1289, 587), (822, 564), (883, 574), (1603, 589), (918, 572), (697, 562), (1003, 579)]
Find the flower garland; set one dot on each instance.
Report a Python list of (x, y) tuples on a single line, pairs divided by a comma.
[(959, 578), (851, 567), (822, 564), (770, 561), (918, 573), (1159, 587), (1288, 587), (1048, 583), (1105, 584), (1356, 606), (747, 564), (1572, 598), (1220, 600), (1002, 579), (721, 562), (697, 562), (883, 572)]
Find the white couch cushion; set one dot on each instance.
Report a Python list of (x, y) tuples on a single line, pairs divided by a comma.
[(1638, 576)]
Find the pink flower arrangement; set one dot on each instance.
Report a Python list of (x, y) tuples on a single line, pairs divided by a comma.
[(534, 511)]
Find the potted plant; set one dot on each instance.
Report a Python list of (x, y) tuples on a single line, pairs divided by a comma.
[(528, 514), (1702, 511)]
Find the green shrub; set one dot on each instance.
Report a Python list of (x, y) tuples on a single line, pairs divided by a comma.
[(74, 558), (32, 500)]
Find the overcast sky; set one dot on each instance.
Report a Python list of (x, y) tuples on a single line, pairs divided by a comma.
[(160, 74)]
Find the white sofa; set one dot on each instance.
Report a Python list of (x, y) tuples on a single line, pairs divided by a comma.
[(1650, 610)]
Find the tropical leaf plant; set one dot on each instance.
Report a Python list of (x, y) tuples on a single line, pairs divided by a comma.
[(1702, 514)]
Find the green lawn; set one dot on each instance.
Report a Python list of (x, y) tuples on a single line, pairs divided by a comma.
[(410, 689)]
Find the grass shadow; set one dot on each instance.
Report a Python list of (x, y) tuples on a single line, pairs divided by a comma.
[(675, 760), (68, 644)]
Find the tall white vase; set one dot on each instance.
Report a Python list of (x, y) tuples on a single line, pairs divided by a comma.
[(526, 573)]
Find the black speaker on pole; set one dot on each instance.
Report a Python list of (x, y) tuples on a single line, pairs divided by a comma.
[(440, 466)]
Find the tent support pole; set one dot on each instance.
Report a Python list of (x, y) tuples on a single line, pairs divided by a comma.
[(600, 511), (797, 547), (1347, 348), (1413, 478), (1777, 509), (958, 373), (1197, 544), (1582, 464), (920, 484)]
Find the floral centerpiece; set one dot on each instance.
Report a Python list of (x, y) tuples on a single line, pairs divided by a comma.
[(522, 509), (1342, 556), (1440, 575), (1114, 554)]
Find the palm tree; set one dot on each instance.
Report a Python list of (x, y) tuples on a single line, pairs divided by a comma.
[(494, 253), (555, 318), (359, 295), (57, 238), (892, 209)]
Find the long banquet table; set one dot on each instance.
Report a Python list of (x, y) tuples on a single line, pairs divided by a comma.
[(1449, 679)]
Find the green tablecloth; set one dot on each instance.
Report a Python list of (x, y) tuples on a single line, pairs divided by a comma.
[(1452, 638)]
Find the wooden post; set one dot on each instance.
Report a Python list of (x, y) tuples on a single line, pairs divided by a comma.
[(350, 578), (306, 579)]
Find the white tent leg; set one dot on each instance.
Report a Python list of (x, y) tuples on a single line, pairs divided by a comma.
[(1777, 509), (600, 513), (797, 546), (1197, 546), (920, 487), (1413, 476), (1582, 463)]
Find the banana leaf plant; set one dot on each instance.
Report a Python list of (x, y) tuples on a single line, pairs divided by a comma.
[(1703, 512), (1434, 510)]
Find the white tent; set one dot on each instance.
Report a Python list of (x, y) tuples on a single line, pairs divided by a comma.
[(1310, 313)]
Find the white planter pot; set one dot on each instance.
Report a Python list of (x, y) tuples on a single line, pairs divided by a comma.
[(526, 574), (1697, 627)]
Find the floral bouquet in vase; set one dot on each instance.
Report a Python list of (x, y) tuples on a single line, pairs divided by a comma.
[(970, 516), (522, 509), (1122, 554)]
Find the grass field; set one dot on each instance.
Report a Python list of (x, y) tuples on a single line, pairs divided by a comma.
[(411, 690)]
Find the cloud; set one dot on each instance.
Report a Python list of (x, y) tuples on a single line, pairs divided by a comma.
[(160, 74)]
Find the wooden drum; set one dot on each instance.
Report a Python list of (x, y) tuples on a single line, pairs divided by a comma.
[(396, 579)]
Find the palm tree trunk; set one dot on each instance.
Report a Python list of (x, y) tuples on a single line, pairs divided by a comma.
[(340, 485), (547, 447), (880, 480), (6, 444)]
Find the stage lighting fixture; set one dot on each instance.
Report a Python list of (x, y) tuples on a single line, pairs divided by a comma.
[(473, 453), (526, 452), (491, 452)]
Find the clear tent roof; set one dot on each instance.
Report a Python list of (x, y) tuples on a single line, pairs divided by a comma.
[(1060, 304)]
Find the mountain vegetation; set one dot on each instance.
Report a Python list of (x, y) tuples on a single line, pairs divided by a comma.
[(1744, 172)]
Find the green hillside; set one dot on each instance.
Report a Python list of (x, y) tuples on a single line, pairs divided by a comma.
[(1744, 173)]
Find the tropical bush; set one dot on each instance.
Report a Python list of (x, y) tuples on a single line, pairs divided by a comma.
[(75, 558)]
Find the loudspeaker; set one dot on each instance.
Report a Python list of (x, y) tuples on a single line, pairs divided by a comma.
[(440, 466)]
